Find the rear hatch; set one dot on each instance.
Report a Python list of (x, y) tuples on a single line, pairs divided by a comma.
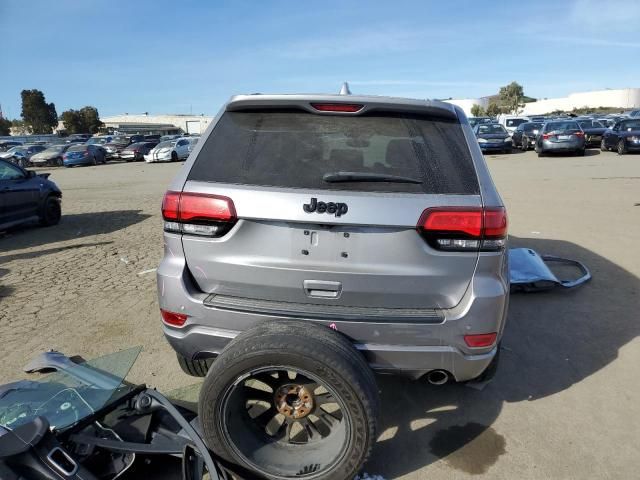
[(323, 208)]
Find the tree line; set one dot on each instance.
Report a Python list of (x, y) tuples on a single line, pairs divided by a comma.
[(39, 117), (510, 99)]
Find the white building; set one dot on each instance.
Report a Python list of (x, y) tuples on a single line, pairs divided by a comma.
[(624, 99), (163, 124), (467, 103)]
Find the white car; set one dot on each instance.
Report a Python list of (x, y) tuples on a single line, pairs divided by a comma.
[(511, 122), (169, 151)]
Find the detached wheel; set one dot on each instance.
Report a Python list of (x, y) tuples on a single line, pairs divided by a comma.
[(195, 368), (51, 211), (291, 400)]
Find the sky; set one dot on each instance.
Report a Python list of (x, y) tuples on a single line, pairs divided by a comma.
[(190, 56)]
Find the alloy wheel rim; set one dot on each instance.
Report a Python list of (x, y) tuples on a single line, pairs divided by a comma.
[(278, 408)]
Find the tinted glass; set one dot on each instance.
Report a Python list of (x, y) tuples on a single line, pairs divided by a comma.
[(77, 148), (295, 150), (514, 122), (529, 127), (630, 125), (9, 172), (482, 129), (561, 126)]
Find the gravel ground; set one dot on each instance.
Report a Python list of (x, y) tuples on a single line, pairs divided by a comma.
[(564, 403)]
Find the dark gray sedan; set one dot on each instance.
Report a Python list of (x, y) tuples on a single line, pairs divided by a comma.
[(562, 136), (26, 196)]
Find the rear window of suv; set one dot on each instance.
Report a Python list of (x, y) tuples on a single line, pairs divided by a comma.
[(294, 149)]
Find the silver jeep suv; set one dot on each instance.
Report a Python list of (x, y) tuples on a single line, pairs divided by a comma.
[(374, 216)]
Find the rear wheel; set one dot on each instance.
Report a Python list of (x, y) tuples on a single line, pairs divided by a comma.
[(524, 144), (622, 147), (174, 157), (603, 146), (51, 211), (59, 162), (94, 161), (291, 400)]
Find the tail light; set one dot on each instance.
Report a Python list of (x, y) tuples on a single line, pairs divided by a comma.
[(337, 107), (198, 214), (480, 340), (579, 134), (464, 229), (173, 319), (546, 136)]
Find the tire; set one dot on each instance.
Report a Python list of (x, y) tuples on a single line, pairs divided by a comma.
[(195, 368), (541, 154), (319, 358), (580, 153), (59, 162), (94, 161), (174, 157), (622, 147), (603, 146), (51, 211), (22, 162), (525, 145)]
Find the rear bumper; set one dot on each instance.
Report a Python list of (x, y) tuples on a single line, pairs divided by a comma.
[(495, 146), (407, 348), (572, 146)]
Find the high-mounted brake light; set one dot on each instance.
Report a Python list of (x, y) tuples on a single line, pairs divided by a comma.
[(464, 228), (198, 213), (173, 319), (337, 107)]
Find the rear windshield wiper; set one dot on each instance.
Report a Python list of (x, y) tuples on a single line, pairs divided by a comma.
[(336, 177)]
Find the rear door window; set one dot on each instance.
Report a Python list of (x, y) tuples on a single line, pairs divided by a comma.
[(294, 149)]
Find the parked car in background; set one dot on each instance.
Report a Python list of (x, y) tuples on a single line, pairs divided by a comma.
[(100, 140), (26, 196), (121, 142), (151, 138), (473, 121), (51, 156), (561, 136), (136, 151), (493, 137), (524, 136), (537, 119), (84, 155), (511, 122), (169, 151), (7, 144), (21, 155), (593, 131), (78, 138), (165, 138), (193, 141), (624, 137)]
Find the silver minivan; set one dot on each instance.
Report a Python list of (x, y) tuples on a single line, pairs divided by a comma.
[(373, 216)]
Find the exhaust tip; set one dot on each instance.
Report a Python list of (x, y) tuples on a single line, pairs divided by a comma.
[(437, 377)]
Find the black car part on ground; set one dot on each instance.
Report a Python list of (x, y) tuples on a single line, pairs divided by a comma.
[(104, 443)]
